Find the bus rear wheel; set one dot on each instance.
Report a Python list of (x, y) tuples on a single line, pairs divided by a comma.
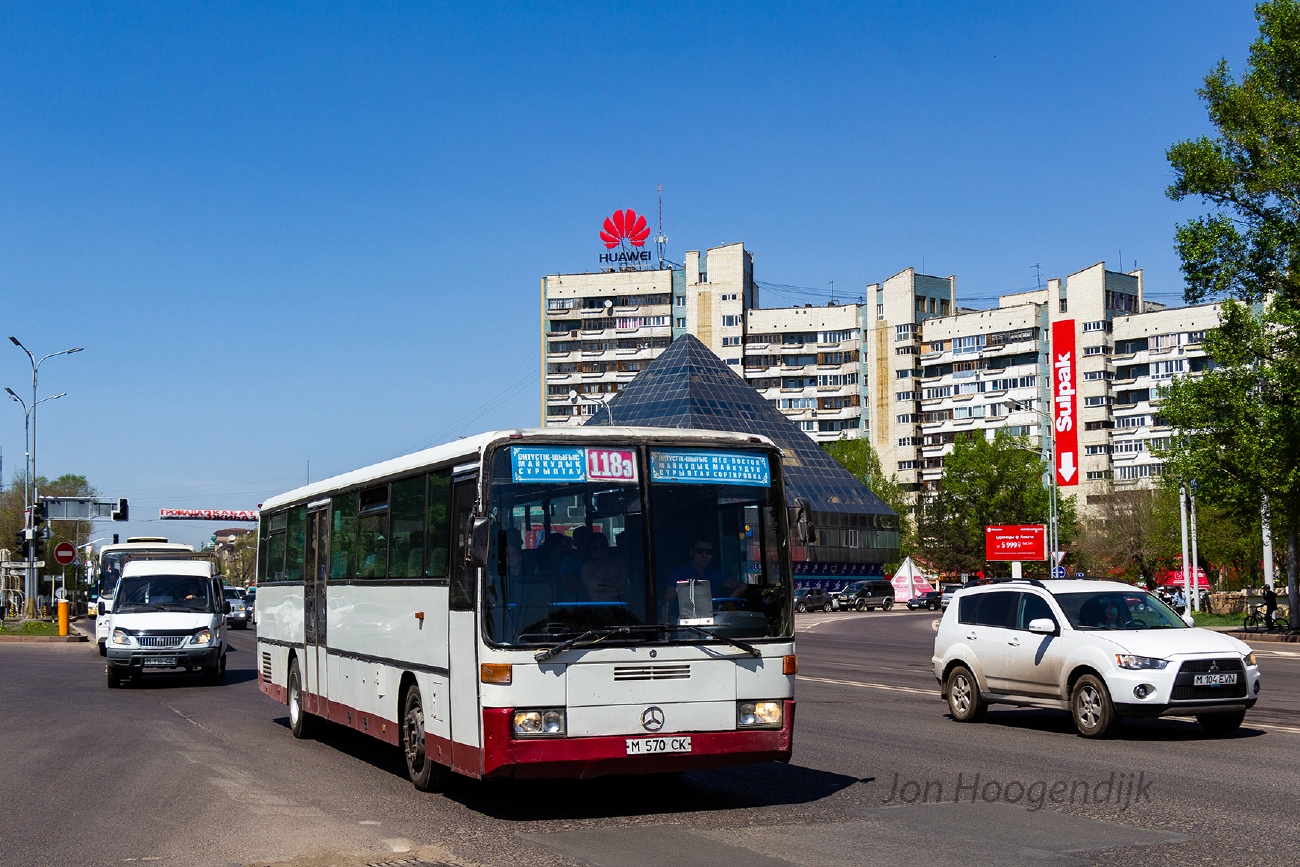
[(426, 774)]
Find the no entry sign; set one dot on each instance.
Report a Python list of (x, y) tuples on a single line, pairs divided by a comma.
[(64, 553)]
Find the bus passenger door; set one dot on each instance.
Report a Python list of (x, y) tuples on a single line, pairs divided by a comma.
[(313, 603), (462, 635)]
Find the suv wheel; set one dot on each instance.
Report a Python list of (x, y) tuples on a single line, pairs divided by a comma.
[(800, 607), (826, 606), (932, 606), (964, 700), (886, 605), (861, 605), (1221, 723), (1090, 705)]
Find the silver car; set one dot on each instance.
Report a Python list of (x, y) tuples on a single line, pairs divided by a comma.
[(240, 610)]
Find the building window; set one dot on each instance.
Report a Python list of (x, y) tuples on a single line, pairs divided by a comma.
[(1106, 424), (904, 332), (906, 373), (570, 303), (730, 321), (1125, 447), (1125, 421), (837, 336), (681, 322), (731, 341), (807, 425), (1096, 401), (1090, 375), (908, 418), (1098, 475), (907, 465), (1096, 450), (734, 362), (968, 344), (1098, 325), (1097, 350), (880, 311), (680, 301), (1196, 337), (904, 442), (907, 396)]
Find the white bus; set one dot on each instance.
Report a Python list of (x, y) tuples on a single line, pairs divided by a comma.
[(539, 603), (108, 572)]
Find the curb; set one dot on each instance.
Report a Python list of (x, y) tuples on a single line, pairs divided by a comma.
[(61, 639), (1282, 637)]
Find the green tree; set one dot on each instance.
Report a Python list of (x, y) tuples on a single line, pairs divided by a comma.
[(860, 458), (997, 481), (76, 532), (1238, 433)]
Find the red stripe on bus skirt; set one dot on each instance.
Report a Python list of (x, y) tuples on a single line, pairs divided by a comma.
[(507, 756)]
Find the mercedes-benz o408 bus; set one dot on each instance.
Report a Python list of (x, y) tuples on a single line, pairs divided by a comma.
[(539, 603)]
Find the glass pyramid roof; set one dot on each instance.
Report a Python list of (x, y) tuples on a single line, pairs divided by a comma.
[(689, 387)]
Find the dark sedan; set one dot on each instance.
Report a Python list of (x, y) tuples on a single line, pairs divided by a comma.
[(930, 601)]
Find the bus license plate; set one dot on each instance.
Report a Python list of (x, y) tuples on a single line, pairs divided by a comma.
[(160, 660), (1214, 679), (650, 746)]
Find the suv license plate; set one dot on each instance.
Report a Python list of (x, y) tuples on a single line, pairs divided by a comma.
[(1214, 679), (160, 660), (650, 746)]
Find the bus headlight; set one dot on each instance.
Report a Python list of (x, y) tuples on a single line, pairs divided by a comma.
[(121, 639), (758, 714), (203, 636), (544, 723)]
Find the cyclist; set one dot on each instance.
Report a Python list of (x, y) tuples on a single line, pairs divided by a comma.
[(1270, 606)]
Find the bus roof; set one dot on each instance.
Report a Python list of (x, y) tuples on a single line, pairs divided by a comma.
[(471, 448), (145, 546)]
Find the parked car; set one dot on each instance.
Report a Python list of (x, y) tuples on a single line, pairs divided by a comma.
[(811, 599), (240, 610), (930, 600), (1102, 650), (868, 595), (167, 614)]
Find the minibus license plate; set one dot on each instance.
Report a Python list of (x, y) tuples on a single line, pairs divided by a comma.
[(1214, 679), (160, 660), (650, 746)]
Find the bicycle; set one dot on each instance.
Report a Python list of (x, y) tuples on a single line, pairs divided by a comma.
[(1257, 620)]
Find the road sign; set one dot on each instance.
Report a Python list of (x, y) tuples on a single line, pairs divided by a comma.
[(1065, 403), (1015, 542), (64, 553), (60, 593), (1058, 572)]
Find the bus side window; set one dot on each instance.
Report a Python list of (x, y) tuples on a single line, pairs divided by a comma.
[(343, 537), (439, 525), (463, 575)]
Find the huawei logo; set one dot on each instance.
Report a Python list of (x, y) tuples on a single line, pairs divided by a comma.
[(622, 225)]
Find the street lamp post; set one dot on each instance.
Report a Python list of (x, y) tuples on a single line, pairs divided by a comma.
[(31, 469), (1053, 529), (29, 413)]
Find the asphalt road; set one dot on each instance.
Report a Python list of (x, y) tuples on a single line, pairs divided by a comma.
[(177, 773)]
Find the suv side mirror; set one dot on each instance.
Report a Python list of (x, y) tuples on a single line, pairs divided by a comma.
[(1188, 618), (225, 607), (1043, 626)]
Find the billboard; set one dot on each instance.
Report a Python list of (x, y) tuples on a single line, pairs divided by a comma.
[(1015, 542), (1065, 403)]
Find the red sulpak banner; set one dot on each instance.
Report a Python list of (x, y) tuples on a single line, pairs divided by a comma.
[(207, 514), (1065, 403), (1015, 542)]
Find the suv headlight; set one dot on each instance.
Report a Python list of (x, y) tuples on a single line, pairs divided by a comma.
[(1137, 663), (758, 714), (543, 723), (203, 636), (1250, 658), (121, 638)]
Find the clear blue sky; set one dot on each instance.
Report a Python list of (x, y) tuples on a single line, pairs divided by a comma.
[(312, 232)]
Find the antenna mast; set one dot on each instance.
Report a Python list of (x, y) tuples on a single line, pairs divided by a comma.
[(661, 239), (1038, 274)]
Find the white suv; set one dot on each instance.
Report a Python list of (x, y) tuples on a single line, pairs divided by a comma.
[(1101, 650)]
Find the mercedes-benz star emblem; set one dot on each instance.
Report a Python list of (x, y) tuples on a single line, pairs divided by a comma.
[(652, 719)]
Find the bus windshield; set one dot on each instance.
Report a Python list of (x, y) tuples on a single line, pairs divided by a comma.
[(586, 538), (111, 562)]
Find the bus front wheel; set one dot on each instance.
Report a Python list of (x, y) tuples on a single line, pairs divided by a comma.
[(300, 723), (425, 773)]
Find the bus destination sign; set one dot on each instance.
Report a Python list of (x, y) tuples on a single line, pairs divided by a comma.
[(703, 468), (572, 464)]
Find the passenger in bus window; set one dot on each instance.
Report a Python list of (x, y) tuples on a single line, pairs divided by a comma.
[(699, 564), (604, 574), (515, 553), (571, 568)]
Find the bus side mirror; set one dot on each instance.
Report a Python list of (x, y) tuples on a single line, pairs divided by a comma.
[(802, 523), (479, 533)]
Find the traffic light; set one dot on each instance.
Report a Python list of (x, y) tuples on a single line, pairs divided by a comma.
[(20, 545), (38, 544), (121, 512), (38, 514)]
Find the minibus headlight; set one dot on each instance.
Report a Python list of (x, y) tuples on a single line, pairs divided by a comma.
[(758, 714), (203, 636), (121, 639), (543, 723)]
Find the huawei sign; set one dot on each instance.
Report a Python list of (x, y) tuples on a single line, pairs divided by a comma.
[(624, 225)]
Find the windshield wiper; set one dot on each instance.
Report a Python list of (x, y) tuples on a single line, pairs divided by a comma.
[(591, 636), (741, 645)]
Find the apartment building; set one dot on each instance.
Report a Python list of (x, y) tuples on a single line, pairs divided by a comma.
[(1150, 350), (599, 330), (809, 363)]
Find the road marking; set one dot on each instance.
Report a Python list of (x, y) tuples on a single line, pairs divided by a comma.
[(933, 693)]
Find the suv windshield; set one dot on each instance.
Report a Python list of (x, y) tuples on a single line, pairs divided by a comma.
[(164, 593), (1118, 609), (573, 549)]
